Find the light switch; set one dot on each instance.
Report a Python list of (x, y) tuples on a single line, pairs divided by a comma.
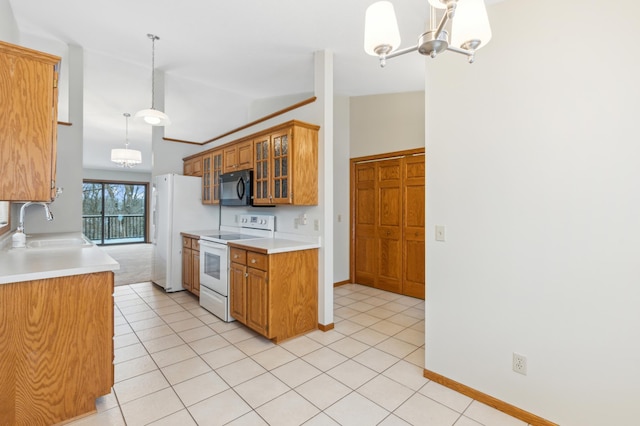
[(440, 233)]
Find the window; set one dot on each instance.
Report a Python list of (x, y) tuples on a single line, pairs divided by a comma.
[(114, 212)]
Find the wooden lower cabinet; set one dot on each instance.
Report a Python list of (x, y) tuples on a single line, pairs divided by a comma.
[(276, 294), (56, 348), (191, 264)]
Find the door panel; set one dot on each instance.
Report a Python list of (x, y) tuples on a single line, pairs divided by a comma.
[(389, 225), (414, 222), (365, 241)]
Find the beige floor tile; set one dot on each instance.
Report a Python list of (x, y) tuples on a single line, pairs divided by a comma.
[(273, 358), (261, 389), (129, 352), (199, 311), (238, 334), (240, 371), (412, 336), (346, 312), (154, 333), (416, 357), (249, 419), (120, 329), (420, 410), (344, 300), (185, 370), (419, 326), (200, 388), (324, 358), (361, 295), (162, 343), (289, 409), (186, 324), (296, 372), (196, 333), (376, 359), (386, 327), (177, 316), (219, 409), (369, 336), (347, 327), (375, 301), (134, 308), (208, 344), (396, 347), (112, 417), (106, 402), (486, 415), (445, 396), (222, 327), (408, 301), (466, 421), (415, 312), (173, 355), (356, 410), (162, 303), (393, 420), (364, 319), (325, 337), (361, 306), (134, 367), (321, 419), (152, 407), (182, 418), (255, 345), (349, 347), (123, 340), (223, 356), (139, 316), (146, 324), (166, 308), (352, 374), (407, 374), (385, 392), (323, 391), (301, 346), (139, 386), (380, 312), (129, 300)]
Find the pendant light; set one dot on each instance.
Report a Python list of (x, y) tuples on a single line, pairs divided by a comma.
[(126, 157), (470, 30), (153, 116)]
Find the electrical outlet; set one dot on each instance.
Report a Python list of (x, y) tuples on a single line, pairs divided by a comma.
[(441, 233), (520, 363)]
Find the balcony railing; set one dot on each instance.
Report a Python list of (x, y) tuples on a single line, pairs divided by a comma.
[(117, 228)]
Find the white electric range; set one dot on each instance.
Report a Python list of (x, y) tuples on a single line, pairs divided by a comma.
[(214, 260)]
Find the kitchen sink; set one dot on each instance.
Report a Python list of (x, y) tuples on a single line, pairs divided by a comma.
[(52, 242)]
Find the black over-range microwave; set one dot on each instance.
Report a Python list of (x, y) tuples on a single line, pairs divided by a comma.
[(236, 189)]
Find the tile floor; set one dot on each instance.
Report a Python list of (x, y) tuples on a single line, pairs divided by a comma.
[(177, 364)]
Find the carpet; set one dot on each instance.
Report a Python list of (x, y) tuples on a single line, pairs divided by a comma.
[(135, 262)]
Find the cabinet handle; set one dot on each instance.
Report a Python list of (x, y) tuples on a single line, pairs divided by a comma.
[(246, 274), (388, 233), (253, 261), (235, 256)]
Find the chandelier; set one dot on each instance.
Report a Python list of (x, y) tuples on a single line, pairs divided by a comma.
[(470, 30), (126, 157), (153, 116)]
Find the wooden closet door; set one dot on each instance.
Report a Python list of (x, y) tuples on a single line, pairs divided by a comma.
[(389, 225), (365, 205), (413, 227)]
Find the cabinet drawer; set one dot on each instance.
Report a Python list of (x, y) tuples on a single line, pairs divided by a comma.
[(186, 242), (195, 244), (257, 260), (238, 256)]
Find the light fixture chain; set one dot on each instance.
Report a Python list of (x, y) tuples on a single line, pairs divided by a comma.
[(153, 68)]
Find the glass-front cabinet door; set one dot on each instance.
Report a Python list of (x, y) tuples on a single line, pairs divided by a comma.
[(281, 149), (261, 171), (211, 170)]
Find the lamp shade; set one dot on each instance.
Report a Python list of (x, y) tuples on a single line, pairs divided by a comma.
[(381, 28), (470, 23), (126, 157), (153, 116)]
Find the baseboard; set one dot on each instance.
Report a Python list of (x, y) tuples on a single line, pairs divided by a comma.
[(326, 327), (506, 408), (339, 283)]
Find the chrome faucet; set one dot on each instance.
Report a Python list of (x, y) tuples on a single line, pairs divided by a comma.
[(47, 213)]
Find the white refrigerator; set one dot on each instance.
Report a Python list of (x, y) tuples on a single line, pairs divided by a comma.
[(176, 207)]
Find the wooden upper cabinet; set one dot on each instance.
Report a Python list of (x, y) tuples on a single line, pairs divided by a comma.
[(211, 170), (238, 156), (193, 166), (28, 124), (286, 165)]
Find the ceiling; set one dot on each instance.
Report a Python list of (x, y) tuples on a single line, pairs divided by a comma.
[(217, 56)]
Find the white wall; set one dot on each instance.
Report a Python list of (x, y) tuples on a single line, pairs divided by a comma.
[(116, 175), (341, 194), (532, 164), (386, 123), (8, 27)]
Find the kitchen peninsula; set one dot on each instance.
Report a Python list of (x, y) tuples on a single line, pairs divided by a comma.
[(56, 328)]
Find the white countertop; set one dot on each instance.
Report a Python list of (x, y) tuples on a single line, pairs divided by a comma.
[(27, 264), (282, 242)]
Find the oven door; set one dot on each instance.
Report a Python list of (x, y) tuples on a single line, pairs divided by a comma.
[(214, 267)]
